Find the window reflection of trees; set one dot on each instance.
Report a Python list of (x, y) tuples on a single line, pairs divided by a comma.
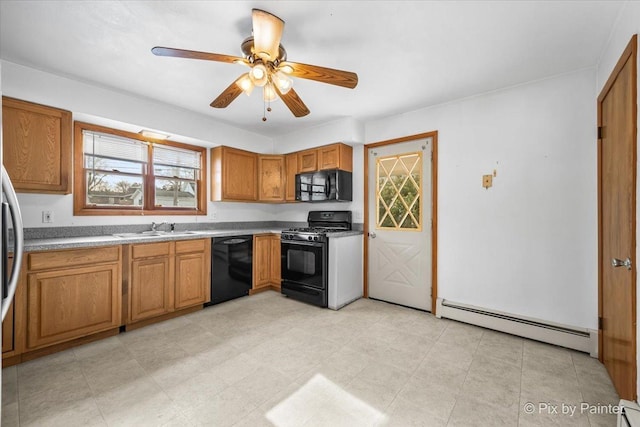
[(399, 188)]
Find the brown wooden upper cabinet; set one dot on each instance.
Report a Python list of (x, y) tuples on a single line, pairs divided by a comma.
[(233, 175), (308, 161), (333, 156), (36, 146), (271, 178), (291, 165)]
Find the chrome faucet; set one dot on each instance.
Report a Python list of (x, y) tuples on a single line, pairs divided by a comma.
[(154, 225)]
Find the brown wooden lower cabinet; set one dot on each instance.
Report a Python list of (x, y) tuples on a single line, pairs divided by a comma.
[(168, 276), (63, 304), (68, 297), (67, 294), (150, 288), (266, 262)]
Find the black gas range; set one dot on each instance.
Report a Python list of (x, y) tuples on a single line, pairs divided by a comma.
[(305, 256)]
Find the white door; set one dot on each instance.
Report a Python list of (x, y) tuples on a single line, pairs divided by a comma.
[(400, 223)]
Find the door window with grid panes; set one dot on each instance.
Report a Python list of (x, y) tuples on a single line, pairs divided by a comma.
[(399, 179)]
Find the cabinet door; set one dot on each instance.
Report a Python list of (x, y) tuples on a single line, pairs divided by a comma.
[(70, 303), (191, 279), (275, 261), (271, 178), (36, 146), (234, 174), (335, 156), (150, 287), (261, 261), (308, 161), (291, 165)]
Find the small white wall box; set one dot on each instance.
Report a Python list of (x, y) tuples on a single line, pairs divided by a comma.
[(629, 416)]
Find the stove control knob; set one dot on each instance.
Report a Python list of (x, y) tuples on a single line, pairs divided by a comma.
[(310, 238), (316, 238)]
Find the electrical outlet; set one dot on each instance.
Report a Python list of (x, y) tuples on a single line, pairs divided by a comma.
[(47, 216), (214, 215), (357, 216)]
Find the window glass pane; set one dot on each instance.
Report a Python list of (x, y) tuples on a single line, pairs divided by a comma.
[(175, 172), (398, 194), (112, 146), (105, 189), (172, 156), (176, 193), (112, 165)]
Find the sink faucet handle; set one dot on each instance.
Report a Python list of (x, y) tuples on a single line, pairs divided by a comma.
[(173, 226), (153, 226)]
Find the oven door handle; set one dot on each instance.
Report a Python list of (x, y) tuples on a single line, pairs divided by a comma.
[(327, 186), (301, 243)]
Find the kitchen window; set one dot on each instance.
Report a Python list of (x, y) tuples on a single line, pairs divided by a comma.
[(123, 173)]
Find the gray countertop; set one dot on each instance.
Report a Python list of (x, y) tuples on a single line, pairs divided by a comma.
[(32, 245)]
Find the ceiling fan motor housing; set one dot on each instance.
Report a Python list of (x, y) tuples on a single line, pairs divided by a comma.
[(249, 54)]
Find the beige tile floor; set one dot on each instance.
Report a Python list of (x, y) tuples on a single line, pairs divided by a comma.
[(266, 360)]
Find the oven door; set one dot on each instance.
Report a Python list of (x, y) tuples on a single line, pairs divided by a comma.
[(304, 263)]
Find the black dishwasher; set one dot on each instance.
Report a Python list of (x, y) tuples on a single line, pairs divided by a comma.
[(231, 267)]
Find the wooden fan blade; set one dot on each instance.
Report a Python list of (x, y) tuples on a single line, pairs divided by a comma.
[(194, 54), (228, 95), (267, 32), (293, 102), (321, 74)]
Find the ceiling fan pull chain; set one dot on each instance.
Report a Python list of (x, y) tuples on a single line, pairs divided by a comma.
[(264, 114)]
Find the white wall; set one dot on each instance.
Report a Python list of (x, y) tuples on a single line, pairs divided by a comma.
[(526, 246), (111, 108), (628, 24)]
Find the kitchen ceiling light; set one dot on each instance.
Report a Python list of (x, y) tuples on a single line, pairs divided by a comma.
[(269, 93), (245, 83), (282, 82), (153, 134), (258, 74)]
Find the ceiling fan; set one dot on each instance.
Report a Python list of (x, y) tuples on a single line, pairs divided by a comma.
[(269, 68)]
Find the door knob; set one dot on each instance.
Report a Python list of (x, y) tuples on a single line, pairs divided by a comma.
[(372, 235), (615, 262)]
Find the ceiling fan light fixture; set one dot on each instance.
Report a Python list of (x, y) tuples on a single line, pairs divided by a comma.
[(269, 93), (286, 68), (245, 83), (258, 74), (282, 82)]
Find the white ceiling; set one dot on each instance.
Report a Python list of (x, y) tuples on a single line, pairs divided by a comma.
[(407, 54)]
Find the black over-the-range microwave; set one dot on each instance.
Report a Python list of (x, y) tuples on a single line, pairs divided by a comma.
[(324, 186)]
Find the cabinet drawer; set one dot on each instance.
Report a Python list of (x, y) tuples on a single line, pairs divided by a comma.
[(75, 257), (185, 246), (151, 249)]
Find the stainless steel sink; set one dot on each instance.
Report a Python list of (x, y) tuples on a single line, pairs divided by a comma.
[(156, 233)]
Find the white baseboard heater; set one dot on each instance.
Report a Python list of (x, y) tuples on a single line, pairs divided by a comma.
[(581, 339)]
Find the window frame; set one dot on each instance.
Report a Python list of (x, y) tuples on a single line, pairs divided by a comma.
[(80, 206)]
